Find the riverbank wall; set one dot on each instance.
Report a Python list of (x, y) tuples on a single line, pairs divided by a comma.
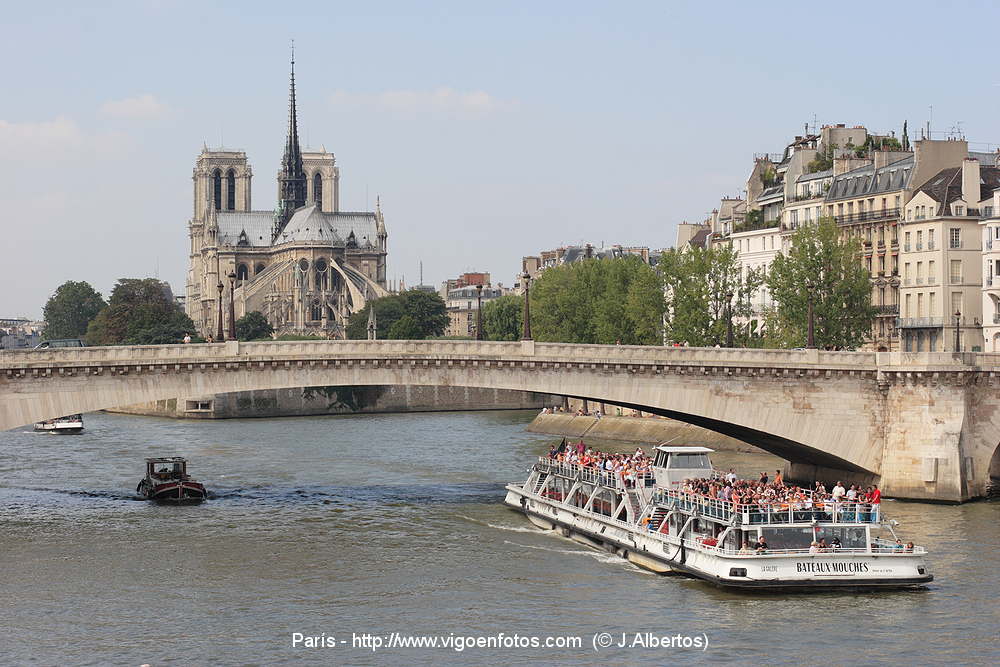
[(311, 401), (646, 430)]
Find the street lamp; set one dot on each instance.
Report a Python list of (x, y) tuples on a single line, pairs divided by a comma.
[(479, 312), (526, 333), (729, 319), (958, 340), (220, 336), (810, 336), (232, 305)]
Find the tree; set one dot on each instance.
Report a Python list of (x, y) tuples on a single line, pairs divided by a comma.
[(598, 301), (503, 318), (842, 308), (699, 282), (823, 160), (141, 311), (253, 326), (70, 309), (427, 313)]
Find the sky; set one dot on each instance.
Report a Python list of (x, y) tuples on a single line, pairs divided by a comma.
[(490, 131)]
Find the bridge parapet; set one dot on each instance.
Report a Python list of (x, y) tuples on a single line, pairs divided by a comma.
[(617, 354)]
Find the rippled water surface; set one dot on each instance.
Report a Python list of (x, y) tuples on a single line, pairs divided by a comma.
[(382, 523)]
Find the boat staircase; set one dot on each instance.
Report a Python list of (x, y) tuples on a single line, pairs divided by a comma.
[(540, 482), (658, 516), (633, 503)]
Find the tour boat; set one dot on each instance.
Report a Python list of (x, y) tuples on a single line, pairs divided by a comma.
[(167, 480), (655, 524), (67, 424)]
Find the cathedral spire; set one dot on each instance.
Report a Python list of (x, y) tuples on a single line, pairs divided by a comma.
[(292, 180)]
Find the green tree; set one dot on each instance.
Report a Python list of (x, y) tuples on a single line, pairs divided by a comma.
[(823, 160), (428, 316), (70, 309), (253, 326), (598, 301), (842, 308), (141, 311), (705, 287), (503, 318)]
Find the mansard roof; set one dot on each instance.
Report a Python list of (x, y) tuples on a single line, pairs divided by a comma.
[(946, 185), (867, 180)]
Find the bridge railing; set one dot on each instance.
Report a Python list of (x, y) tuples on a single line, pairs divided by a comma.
[(602, 354), (606, 355)]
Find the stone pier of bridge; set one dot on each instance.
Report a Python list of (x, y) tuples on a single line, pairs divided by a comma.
[(922, 425)]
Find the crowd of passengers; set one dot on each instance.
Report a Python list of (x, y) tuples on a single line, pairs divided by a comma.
[(773, 492), (629, 467)]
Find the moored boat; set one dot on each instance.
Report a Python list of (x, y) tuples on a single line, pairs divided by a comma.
[(167, 480), (654, 516), (61, 425)]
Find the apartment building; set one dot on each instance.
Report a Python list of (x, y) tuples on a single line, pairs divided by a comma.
[(990, 239), (942, 292)]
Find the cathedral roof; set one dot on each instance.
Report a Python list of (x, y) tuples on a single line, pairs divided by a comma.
[(256, 224), (309, 223)]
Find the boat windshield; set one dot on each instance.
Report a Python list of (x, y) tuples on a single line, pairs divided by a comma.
[(802, 538), (167, 468)]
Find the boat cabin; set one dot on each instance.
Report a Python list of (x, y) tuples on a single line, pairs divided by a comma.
[(165, 468), (672, 465)]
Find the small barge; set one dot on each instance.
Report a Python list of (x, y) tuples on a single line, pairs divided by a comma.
[(652, 518), (167, 480)]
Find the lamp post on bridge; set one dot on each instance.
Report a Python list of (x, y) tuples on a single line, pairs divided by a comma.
[(479, 312), (220, 336), (526, 333), (958, 340), (232, 305), (729, 319), (811, 332)]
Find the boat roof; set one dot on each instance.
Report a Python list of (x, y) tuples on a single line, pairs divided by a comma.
[(683, 450), (167, 459)]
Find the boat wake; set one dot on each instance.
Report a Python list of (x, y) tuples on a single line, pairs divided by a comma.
[(513, 529)]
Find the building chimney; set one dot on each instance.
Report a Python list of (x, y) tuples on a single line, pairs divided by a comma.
[(970, 182)]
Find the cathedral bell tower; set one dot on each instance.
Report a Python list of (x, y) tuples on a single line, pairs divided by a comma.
[(292, 178)]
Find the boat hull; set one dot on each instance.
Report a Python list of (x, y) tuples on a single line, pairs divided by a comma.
[(173, 492), (771, 572), (61, 430)]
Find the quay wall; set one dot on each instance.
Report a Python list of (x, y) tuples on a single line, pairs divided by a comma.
[(338, 400), (646, 430)]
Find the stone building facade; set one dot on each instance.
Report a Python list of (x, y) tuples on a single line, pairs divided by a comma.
[(306, 265)]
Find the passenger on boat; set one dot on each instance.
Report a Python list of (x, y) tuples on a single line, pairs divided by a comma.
[(761, 545), (814, 547)]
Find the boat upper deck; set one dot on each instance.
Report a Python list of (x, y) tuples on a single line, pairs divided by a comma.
[(808, 509)]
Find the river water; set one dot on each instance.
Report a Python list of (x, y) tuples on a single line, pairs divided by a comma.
[(375, 524)]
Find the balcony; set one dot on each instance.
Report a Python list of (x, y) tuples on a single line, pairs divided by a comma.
[(989, 244), (955, 245), (920, 246), (930, 245), (867, 216), (895, 243), (920, 281), (881, 244), (921, 322), (888, 309), (906, 247)]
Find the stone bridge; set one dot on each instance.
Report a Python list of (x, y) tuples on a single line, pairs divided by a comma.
[(924, 425)]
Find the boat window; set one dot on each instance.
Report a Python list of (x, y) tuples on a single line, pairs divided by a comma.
[(788, 538), (689, 461), (661, 460), (850, 538)]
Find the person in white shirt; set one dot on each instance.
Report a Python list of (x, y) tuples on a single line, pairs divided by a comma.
[(852, 493), (838, 491)]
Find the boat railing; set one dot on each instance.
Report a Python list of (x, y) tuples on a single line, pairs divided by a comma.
[(793, 511), (594, 475)]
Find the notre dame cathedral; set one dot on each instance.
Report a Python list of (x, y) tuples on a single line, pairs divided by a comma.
[(306, 265)]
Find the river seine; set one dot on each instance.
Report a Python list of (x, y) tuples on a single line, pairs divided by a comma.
[(340, 528)]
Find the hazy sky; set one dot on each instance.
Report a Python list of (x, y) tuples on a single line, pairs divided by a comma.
[(490, 130)]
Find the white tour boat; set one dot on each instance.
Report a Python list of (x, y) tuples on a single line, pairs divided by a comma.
[(655, 524), (67, 424)]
